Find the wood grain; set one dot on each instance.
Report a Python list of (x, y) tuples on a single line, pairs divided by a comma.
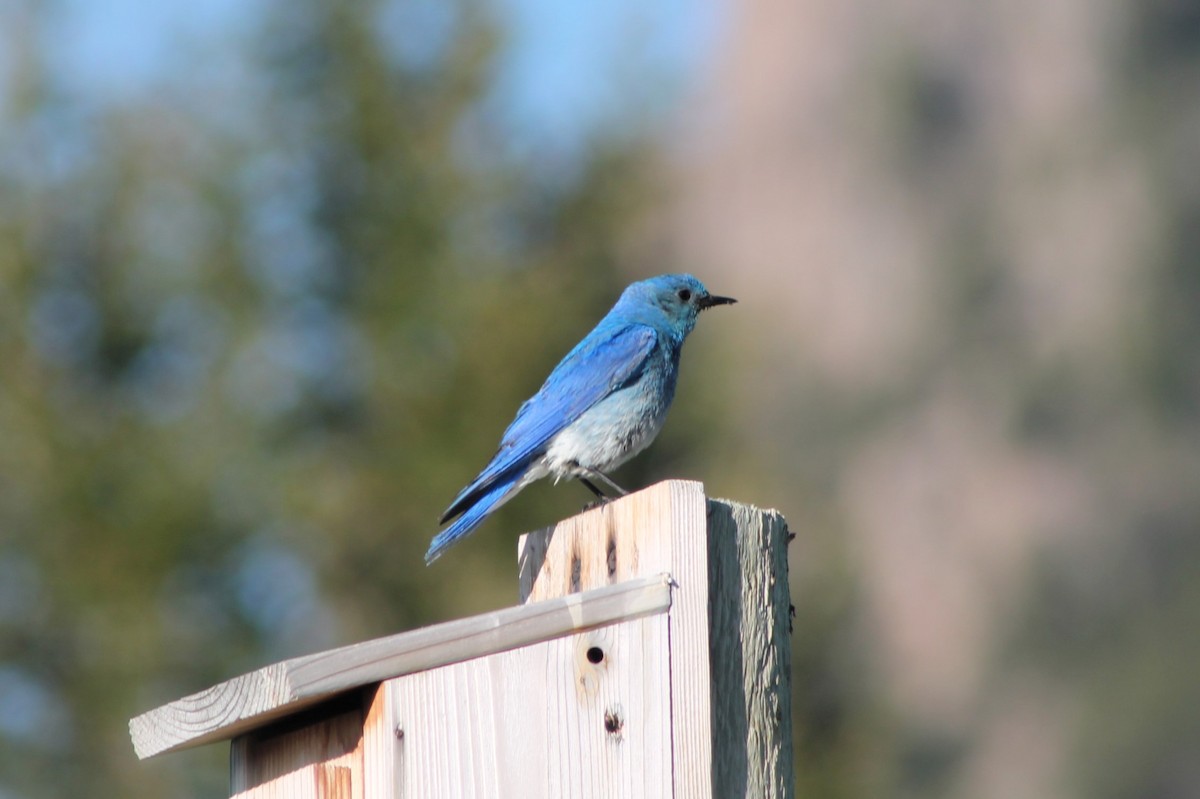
[(660, 529), (749, 602), (540, 722), (729, 623), (322, 759), (251, 700)]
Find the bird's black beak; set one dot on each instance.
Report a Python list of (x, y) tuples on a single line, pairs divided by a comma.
[(709, 300)]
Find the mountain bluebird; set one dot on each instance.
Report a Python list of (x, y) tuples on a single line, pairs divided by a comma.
[(603, 403)]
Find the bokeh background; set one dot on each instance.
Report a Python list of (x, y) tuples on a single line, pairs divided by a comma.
[(275, 275)]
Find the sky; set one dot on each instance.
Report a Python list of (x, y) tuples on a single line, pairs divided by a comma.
[(566, 72)]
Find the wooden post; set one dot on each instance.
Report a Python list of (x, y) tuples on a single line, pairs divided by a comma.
[(649, 658), (730, 621), (749, 605)]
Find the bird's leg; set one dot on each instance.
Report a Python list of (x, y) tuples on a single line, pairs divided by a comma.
[(595, 475), (601, 497), (590, 486)]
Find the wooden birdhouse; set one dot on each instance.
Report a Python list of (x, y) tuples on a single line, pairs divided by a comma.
[(649, 657)]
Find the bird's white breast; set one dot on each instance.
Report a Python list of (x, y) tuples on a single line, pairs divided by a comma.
[(608, 434)]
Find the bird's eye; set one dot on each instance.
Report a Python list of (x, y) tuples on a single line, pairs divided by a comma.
[(684, 294)]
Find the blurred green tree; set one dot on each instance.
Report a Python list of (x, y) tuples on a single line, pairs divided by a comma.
[(257, 329)]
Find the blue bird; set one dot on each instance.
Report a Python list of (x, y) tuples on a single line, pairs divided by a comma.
[(603, 403)]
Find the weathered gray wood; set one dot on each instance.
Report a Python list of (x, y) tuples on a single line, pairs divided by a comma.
[(659, 529), (749, 604), (251, 700), (540, 722)]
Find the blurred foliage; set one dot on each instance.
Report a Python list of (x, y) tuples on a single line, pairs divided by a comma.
[(255, 336), (1090, 683)]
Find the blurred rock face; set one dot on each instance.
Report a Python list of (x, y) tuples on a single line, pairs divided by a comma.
[(947, 226)]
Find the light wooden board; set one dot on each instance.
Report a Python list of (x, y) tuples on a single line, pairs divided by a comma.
[(246, 702), (540, 722), (660, 529), (320, 760)]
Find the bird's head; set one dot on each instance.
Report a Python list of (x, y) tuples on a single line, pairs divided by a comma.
[(672, 300)]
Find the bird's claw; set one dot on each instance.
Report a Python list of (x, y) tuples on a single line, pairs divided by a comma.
[(599, 502)]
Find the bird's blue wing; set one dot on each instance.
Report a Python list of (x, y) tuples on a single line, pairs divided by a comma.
[(606, 360)]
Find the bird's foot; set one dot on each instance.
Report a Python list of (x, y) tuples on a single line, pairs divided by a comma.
[(600, 499)]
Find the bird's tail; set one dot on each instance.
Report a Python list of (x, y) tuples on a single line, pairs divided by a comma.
[(472, 518)]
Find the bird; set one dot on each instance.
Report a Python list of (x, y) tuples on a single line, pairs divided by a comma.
[(604, 403)]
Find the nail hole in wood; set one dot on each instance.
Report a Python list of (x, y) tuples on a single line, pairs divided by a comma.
[(595, 654)]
